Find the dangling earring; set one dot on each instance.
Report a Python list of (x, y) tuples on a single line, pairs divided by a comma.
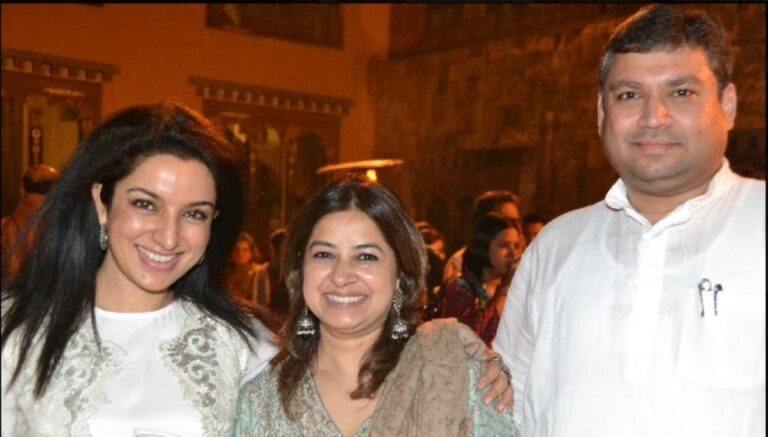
[(305, 327), (200, 261), (103, 237), (399, 328)]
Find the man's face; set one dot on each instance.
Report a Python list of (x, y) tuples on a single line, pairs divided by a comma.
[(663, 125)]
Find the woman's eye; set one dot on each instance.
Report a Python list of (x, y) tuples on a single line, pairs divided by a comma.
[(368, 257), (197, 215), (322, 255), (144, 204)]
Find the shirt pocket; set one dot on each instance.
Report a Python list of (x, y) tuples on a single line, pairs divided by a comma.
[(727, 350)]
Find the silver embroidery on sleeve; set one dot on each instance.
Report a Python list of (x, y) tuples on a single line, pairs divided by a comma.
[(84, 364), (75, 391)]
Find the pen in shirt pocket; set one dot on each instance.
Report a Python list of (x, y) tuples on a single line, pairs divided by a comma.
[(705, 285)]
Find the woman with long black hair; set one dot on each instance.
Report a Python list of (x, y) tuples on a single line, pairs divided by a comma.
[(119, 322)]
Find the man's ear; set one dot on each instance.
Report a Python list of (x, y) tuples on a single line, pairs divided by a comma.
[(729, 103), (600, 114), (101, 209)]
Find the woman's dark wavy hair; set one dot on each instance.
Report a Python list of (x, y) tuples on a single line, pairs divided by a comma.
[(486, 229), (54, 292), (384, 208)]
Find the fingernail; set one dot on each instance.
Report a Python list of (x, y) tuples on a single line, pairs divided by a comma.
[(487, 400)]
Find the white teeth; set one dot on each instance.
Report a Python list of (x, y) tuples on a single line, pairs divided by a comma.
[(344, 299), (155, 257)]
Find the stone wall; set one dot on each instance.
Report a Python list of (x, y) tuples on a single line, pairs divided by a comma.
[(514, 106)]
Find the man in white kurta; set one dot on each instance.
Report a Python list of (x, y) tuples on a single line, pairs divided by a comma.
[(644, 314)]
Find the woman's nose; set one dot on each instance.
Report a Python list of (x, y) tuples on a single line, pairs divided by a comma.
[(343, 274), (167, 233)]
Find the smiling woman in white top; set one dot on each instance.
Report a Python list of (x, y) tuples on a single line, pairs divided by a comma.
[(119, 322)]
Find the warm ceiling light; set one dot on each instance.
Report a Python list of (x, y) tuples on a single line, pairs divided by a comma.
[(371, 174)]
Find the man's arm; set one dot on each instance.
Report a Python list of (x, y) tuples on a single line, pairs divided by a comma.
[(515, 337)]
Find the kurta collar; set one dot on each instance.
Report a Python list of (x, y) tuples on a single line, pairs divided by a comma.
[(617, 198)]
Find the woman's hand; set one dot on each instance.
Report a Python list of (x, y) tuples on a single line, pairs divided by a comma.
[(498, 377)]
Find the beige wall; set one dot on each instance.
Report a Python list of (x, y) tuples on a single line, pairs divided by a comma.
[(157, 47)]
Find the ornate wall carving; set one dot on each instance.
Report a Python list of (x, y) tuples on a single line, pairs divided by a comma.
[(284, 137), (49, 104)]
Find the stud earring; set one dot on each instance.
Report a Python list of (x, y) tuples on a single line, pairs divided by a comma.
[(103, 237), (306, 326), (399, 328)]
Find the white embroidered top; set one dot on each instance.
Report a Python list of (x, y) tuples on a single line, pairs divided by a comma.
[(169, 372)]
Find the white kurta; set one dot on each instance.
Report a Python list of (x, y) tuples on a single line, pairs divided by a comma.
[(603, 329), (170, 372)]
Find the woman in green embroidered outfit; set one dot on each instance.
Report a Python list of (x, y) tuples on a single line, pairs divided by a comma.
[(354, 361)]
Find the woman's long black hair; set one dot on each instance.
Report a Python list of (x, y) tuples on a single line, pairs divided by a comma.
[(54, 292)]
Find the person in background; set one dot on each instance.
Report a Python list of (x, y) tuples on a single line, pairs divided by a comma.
[(258, 257), (477, 296), (247, 280), (37, 181), (354, 360), (435, 244), (119, 321), (532, 224), (278, 294), (499, 201), (644, 314), (433, 239)]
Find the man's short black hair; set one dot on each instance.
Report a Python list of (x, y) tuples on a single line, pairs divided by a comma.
[(664, 27)]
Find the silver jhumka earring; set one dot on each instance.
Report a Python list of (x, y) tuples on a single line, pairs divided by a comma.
[(306, 326), (103, 237), (399, 328)]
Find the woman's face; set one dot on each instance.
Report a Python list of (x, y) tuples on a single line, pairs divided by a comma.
[(242, 254), (505, 250), (350, 275), (158, 224)]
